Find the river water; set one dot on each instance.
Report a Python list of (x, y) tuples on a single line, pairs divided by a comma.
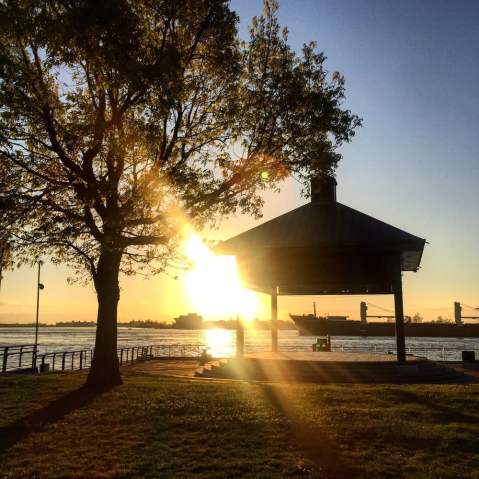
[(221, 343)]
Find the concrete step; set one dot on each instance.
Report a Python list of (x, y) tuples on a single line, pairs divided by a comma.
[(303, 371)]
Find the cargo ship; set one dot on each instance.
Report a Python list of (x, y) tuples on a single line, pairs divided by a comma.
[(312, 325)]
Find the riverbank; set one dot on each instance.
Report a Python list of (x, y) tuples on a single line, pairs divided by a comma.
[(148, 324), (155, 426), (221, 342)]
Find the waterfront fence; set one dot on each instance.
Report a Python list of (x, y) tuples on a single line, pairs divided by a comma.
[(23, 358), (435, 353)]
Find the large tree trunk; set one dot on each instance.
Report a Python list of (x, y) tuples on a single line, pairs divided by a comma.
[(105, 371)]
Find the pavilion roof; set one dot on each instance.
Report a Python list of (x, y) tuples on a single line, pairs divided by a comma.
[(327, 226)]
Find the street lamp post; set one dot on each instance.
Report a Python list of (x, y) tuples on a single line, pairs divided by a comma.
[(39, 287)]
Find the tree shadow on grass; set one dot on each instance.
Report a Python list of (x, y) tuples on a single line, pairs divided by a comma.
[(314, 442), (19, 430), (442, 413)]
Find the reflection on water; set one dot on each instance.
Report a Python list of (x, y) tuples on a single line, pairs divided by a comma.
[(221, 342)]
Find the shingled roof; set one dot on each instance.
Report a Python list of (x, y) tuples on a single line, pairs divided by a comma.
[(327, 224)]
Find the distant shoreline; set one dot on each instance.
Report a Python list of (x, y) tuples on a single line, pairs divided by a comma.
[(229, 325)]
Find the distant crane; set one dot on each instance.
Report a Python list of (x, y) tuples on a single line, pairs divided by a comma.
[(458, 312), (363, 312)]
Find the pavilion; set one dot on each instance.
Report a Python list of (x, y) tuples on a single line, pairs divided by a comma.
[(326, 248)]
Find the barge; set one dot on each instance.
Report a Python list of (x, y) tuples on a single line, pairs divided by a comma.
[(312, 325)]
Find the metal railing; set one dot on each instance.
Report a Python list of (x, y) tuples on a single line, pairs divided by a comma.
[(63, 360), (23, 357), (438, 353), (16, 354)]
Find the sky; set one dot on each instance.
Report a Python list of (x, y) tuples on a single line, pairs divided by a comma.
[(412, 74)]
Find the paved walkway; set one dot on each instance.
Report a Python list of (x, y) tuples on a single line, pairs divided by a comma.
[(166, 367), (336, 356)]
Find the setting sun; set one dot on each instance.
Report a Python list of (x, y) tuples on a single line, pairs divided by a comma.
[(214, 286)]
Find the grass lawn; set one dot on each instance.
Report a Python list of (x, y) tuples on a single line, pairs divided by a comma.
[(153, 427)]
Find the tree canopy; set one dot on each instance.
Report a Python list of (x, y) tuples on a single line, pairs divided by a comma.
[(123, 120)]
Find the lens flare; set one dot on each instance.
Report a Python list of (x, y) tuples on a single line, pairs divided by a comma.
[(220, 342), (214, 286)]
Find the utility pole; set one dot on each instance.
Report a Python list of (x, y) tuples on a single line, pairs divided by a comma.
[(363, 312), (39, 287)]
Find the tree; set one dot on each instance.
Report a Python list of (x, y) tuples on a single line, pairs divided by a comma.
[(7, 192), (5, 258), (123, 120), (417, 318), (441, 320)]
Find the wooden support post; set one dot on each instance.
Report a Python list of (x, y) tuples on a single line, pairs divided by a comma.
[(399, 313), (274, 321), (239, 338)]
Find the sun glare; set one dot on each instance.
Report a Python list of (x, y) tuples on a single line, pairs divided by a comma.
[(220, 342), (213, 284)]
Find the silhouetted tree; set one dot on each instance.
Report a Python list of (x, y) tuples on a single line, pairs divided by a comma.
[(417, 318), (123, 119), (7, 217), (5, 258), (441, 320)]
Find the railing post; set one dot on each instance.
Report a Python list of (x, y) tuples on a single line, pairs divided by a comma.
[(20, 357), (81, 360), (121, 356), (73, 358), (34, 359), (5, 359), (63, 361), (53, 361)]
